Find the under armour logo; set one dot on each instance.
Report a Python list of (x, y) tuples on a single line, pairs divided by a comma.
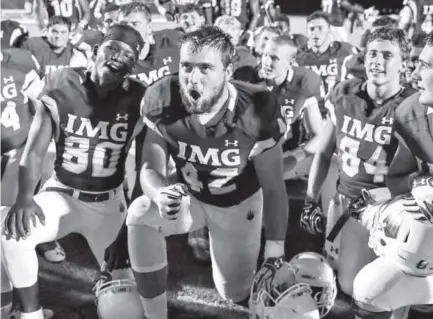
[(332, 60), (389, 121), (227, 143), (289, 102), (121, 117), (167, 60), (8, 79), (334, 250)]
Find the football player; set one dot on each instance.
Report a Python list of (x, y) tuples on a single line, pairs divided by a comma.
[(261, 38), (355, 65), (283, 23), (20, 80), (110, 14), (77, 11), (93, 116), (401, 234), (323, 55), (298, 92), (416, 17), (158, 58), (189, 17), (243, 60), (54, 51), (360, 128), (246, 11), (224, 139), (414, 155), (337, 11)]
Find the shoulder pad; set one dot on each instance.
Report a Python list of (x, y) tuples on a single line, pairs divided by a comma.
[(158, 96)]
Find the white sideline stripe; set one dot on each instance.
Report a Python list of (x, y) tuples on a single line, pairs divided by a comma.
[(214, 304)]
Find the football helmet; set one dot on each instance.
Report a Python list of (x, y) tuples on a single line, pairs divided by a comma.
[(399, 235), (118, 299), (314, 270), (276, 295)]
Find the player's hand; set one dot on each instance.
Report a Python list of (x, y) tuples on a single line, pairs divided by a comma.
[(116, 255), (265, 276), (312, 219), (169, 16), (168, 200), (17, 222)]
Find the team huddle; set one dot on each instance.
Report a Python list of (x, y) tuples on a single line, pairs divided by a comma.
[(127, 135)]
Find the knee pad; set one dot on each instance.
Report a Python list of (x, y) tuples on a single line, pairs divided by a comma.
[(363, 313), (147, 249), (137, 211)]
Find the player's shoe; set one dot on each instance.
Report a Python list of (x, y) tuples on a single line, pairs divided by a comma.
[(198, 240), (52, 252)]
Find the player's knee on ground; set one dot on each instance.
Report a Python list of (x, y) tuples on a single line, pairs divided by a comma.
[(367, 293), (366, 311)]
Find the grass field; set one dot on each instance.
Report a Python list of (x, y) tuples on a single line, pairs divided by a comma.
[(66, 287)]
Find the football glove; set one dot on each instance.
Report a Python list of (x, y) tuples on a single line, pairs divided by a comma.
[(266, 276), (420, 202), (168, 200), (312, 219)]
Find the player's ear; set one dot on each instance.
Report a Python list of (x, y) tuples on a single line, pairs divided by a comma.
[(95, 50), (229, 71)]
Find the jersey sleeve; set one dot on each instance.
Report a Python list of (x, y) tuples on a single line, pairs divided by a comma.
[(33, 85), (272, 125), (330, 103), (48, 96), (155, 101)]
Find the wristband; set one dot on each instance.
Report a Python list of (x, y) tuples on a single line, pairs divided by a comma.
[(274, 248)]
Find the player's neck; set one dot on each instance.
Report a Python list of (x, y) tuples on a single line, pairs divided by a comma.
[(380, 93), (145, 51), (322, 48), (58, 50), (103, 88)]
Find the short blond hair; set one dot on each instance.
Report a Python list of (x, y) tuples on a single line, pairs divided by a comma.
[(226, 21)]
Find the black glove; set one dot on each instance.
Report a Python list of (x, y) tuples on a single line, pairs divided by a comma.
[(116, 255), (312, 219), (264, 277)]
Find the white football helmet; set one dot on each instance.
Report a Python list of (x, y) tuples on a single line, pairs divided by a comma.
[(314, 270), (403, 237), (118, 299), (282, 298)]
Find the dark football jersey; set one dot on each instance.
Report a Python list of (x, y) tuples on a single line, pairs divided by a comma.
[(335, 11), (414, 123), (329, 65), (20, 77), (66, 8), (364, 135), (215, 160), (49, 60), (92, 134), (96, 7), (422, 15), (237, 9), (301, 88)]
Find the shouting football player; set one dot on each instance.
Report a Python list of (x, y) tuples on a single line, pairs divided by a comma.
[(93, 116), (323, 55), (224, 139), (359, 127)]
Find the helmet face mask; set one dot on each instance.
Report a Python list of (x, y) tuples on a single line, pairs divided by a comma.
[(283, 299), (314, 270), (118, 299)]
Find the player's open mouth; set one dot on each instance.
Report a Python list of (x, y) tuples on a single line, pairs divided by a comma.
[(377, 71), (113, 67), (195, 95)]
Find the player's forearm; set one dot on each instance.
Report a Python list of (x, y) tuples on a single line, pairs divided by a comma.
[(318, 173), (275, 214), (151, 181), (253, 23), (29, 176)]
